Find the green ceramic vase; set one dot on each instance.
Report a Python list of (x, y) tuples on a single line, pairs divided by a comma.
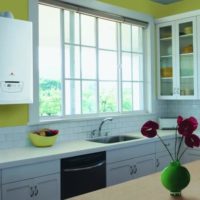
[(175, 178)]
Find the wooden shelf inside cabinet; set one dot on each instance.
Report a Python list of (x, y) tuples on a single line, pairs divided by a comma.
[(186, 54), (166, 56), (166, 78), (187, 77), (186, 35), (166, 39)]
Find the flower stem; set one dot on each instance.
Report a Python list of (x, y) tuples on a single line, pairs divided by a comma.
[(175, 155), (166, 147), (183, 153), (179, 146)]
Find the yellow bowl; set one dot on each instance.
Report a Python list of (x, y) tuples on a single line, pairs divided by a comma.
[(42, 141)]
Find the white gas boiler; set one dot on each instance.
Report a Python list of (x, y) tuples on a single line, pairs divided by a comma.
[(16, 61)]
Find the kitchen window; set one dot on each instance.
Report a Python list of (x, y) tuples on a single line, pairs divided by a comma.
[(89, 64)]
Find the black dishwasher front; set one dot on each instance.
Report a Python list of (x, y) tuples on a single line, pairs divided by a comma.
[(82, 174)]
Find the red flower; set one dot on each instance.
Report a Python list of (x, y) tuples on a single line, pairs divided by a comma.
[(149, 129), (179, 120), (187, 126), (194, 122), (192, 141)]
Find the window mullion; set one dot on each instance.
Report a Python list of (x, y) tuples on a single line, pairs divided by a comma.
[(62, 61), (80, 50), (97, 63), (132, 93), (72, 62), (119, 65)]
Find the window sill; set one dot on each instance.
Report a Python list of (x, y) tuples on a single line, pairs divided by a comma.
[(89, 117)]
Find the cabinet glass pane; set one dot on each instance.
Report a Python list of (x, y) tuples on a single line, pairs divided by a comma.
[(166, 87), (186, 59), (186, 86), (166, 61)]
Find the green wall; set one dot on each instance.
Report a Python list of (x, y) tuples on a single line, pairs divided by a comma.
[(155, 9), (14, 115)]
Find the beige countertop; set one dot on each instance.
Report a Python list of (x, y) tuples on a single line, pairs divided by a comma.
[(25, 155), (147, 188)]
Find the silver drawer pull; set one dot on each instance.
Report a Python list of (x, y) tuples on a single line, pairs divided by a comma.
[(84, 168), (31, 191)]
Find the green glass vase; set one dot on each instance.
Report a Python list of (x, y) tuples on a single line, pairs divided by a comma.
[(175, 178)]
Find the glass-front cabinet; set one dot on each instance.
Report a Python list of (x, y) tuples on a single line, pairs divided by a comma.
[(177, 59)]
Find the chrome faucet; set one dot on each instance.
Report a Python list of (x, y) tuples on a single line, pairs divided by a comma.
[(97, 132), (101, 124)]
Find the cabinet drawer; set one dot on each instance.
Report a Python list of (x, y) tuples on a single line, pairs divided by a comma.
[(130, 152), (23, 172), (170, 143)]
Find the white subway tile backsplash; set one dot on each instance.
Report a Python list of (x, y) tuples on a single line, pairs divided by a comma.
[(72, 130)]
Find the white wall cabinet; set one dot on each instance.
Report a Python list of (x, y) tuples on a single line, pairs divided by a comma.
[(177, 58), (37, 181)]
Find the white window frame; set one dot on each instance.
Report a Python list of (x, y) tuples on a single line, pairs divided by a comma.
[(149, 71)]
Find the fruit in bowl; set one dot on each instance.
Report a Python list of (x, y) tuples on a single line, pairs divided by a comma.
[(43, 137)]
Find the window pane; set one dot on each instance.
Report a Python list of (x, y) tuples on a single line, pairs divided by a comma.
[(89, 97), (107, 65), (108, 97), (50, 97), (72, 94), (88, 59), (77, 28), (49, 61), (72, 61), (67, 61), (87, 30), (136, 39), (107, 34), (127, 97), (126, 37), (138, 99), (137, 67), (126, 66), (67, 26)]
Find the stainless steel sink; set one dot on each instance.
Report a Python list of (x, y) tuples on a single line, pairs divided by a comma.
[(114, 139)]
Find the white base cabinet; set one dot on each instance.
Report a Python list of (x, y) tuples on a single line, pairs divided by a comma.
[(38, 181), (162, 160), (129, 169), (191, 155), (128, 163), (41, 188)]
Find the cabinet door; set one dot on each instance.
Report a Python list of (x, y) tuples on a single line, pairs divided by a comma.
[(187, 58), (119, 172), (166, 62), (47, 187), (162, 160), (144, 165), (18, 190), (191, 155), (177, 59)]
